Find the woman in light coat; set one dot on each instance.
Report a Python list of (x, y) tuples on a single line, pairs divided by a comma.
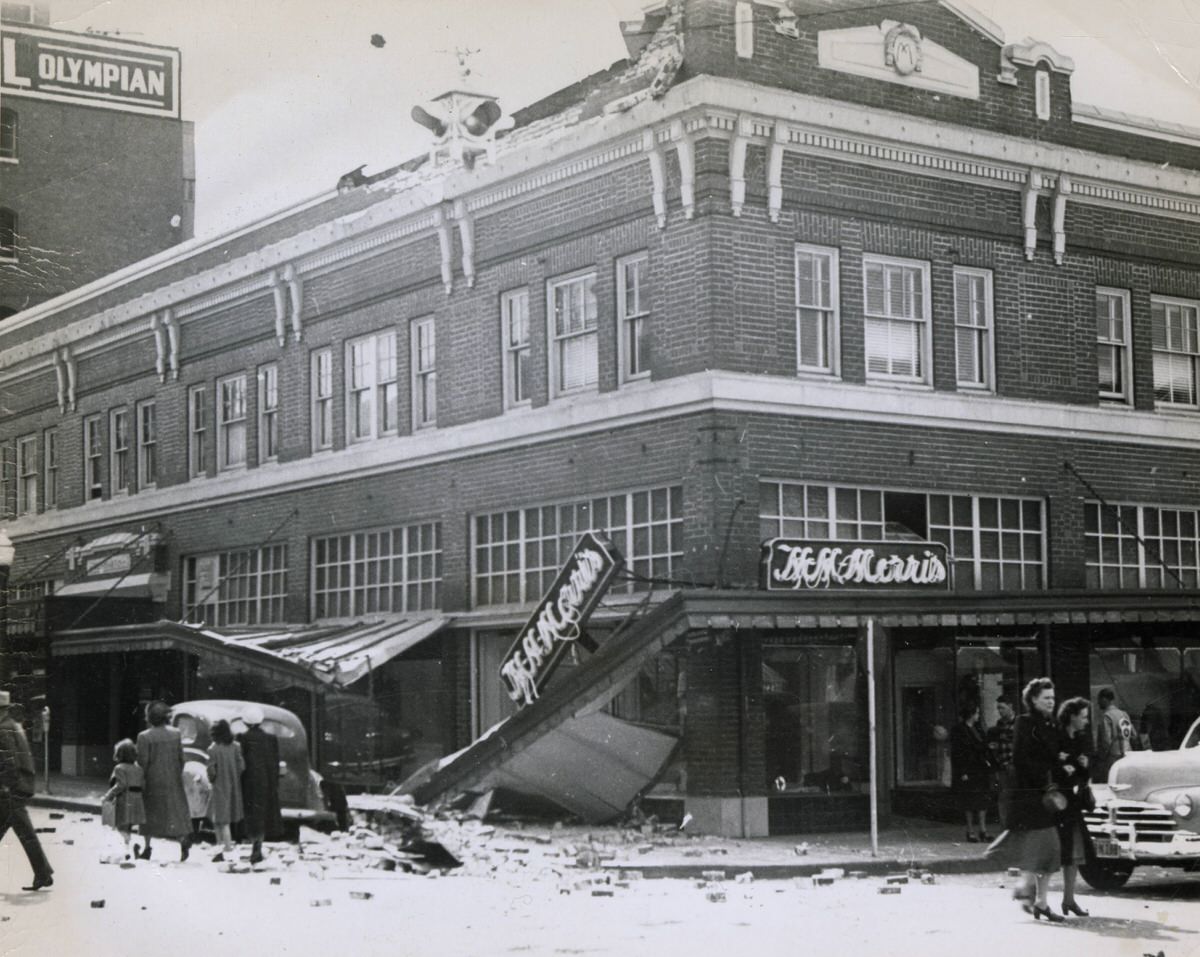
[(160, 753)]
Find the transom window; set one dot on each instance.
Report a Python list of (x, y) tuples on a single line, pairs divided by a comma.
[(424, 373), (322, 399), (517, 553), (244, 587), (120, 448), (514, 324), (197, 430), (1169, 539), (1176, 340), (147, 444), (571, 304), (992, 543), (27, 475), (1112, 343), (817, 309), (896, 297), (386, 570), (93, 449), (633, 315), (973, 327), (371, 386), (231, 422)]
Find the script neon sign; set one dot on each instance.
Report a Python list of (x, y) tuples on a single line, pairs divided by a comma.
[(811, 565)]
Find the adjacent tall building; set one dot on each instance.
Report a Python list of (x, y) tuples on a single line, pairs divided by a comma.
[(839, 320)]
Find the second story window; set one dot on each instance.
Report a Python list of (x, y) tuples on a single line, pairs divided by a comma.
[(573, 354), (973, 327), (322, 399), (93, 466), (120, 448), (633, 315), (268, 413), (8, 233), (147, 445), (371, 386), (514, 322), (231, 422), (816, 309), (896, 299), (50, 461), (1176, 341), (8, 133), (197, 431), (1112, 343), (424, 373), (27, 475)]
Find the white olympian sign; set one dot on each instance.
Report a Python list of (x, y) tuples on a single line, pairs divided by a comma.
[(93, 70), (803, 565), (559, 618)]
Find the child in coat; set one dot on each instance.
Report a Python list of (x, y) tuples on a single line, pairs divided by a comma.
[(125, 793)]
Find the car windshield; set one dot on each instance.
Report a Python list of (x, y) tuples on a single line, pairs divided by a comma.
[(188, 728), (278, 729), (1193, 736)]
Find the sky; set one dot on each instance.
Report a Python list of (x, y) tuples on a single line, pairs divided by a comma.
[(287, 95)]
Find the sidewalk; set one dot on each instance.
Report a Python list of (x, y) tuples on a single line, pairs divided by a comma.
[(905, 844)]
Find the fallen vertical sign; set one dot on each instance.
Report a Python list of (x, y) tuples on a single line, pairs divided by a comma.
[(559, 617)]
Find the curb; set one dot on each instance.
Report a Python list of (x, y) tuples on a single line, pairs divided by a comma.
[(53, 802), (873, 868)]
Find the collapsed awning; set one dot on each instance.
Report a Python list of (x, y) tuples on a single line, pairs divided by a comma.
[(152, 585), (324, 655)]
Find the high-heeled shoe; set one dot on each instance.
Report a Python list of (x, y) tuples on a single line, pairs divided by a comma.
[(1073, 908), (985, 836), (971, 838), (1040, 912), (145, 853)]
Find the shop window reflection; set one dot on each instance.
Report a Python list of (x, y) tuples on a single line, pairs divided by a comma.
[(1158, 687)]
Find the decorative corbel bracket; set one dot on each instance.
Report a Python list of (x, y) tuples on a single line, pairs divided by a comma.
[(68, 362), (737, 164), (1029, 198), (1060, 217), (685, 147), (160, 352), (446, 244), (775, 172), (466, 237), (172, 327), (279, 294), (658, 177), (295, 289)]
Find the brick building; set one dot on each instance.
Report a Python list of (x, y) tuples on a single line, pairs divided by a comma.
[(838, 276), (96, 166)]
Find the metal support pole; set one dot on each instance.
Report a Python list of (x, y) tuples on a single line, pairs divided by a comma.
[(871, 731)]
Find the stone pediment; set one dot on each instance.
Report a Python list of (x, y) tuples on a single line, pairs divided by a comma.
[(897, 53)]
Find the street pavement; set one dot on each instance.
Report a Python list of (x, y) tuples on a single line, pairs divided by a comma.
[(163, 907)]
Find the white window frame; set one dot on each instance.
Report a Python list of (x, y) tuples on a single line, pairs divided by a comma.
[(231, 421), (372, 400), (632, 321), (391, 569), (321, 399), (268, 412), (1192, 357), (829, 325), (27, 475), (922, 324), (515, 348), (1041, 94), (981, 328), (50, 469), (248, 586), (197, 430), (93, 458), (1136, 547), (10, 155), (1118, 348), (591, 380), (120, 459), (146, 413), (423, 348)]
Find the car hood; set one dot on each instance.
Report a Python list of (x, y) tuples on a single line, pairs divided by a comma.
[(1142, 773)]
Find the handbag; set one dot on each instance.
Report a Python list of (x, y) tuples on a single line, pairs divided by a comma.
[(1087, 800), (108, 813), (1053, 799)]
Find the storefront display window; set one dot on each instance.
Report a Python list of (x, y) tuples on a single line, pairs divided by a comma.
[(816, 722), (1156, 686)]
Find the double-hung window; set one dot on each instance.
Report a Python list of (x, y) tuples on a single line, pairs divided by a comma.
[(1176, 342), (231, 422), (50, 463), (514, 330), (120, 452), (147, 445), (896, 298), (973, 328), (27, 475), (268, 413), (1112, 343), (8, 133), (93, 450), (8, 233), (322, 399), (424, 373), (371, 386), (817, 310), (197, 430), (633, 315), (571, 304)]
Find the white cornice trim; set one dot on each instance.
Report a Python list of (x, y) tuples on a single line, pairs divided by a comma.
[(647, 402), (1135, 125)]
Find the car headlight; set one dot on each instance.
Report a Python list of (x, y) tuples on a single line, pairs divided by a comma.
[(1183, 805)]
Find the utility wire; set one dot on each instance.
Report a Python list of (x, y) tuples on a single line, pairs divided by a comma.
[(136, 563)]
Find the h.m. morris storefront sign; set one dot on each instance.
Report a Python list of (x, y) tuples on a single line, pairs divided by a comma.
[(805, 565), (559, 618)]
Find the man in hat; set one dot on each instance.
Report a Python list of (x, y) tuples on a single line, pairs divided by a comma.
[(260, 783), (16, 786)]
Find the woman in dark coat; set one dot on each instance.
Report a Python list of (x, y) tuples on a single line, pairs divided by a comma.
[(160, 753), (1072, 780), (225, 768), (971, 771), (260, 783), (1035, 762)]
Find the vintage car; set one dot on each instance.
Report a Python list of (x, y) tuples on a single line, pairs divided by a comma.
[(301, 797), (1147, 813)]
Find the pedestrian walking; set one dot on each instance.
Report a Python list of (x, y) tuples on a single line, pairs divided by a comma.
[(124, 794), (16, 787), (971, 771), (260, 783), (1072, 778), (1000, 741), (160, 753), (225, 767), (1114, 735), (1033, 810)]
